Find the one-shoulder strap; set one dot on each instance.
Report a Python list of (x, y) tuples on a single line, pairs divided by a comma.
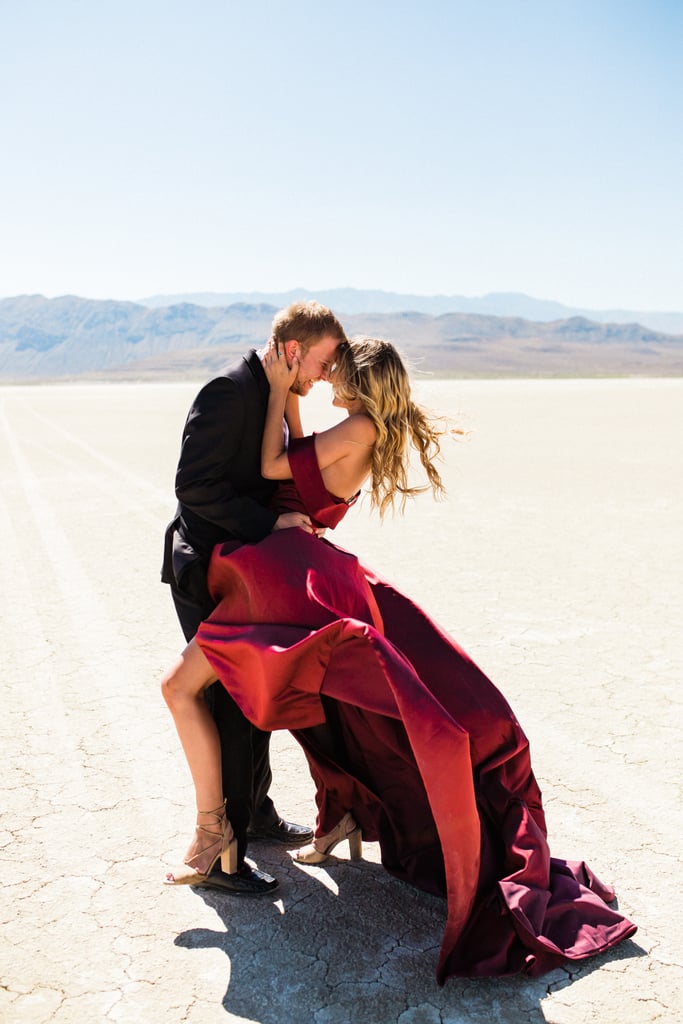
[(323, 508)]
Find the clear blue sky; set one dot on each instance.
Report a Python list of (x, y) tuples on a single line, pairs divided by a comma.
[(428, 147)]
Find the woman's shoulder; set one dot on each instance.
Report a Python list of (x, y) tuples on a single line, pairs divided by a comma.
[(358, 429)]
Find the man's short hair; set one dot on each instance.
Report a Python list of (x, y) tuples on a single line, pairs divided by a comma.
[(307, 323)]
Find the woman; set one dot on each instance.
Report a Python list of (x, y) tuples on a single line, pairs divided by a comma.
[(407, 740)]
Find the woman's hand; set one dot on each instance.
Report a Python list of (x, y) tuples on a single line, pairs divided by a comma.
[(280, 375), (274, 461)]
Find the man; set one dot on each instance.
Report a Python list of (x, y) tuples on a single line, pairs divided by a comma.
[(222, 496)]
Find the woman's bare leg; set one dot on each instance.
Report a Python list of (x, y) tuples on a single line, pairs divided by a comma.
[(183, 689)]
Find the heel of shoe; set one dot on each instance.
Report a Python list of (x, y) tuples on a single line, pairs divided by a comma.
[(355, 839), (229, 856), (314, 855)]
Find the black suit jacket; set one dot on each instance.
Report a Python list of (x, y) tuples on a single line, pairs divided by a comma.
[(221, 493)]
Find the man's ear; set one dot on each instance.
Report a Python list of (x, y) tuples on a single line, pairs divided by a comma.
[(291, 349)]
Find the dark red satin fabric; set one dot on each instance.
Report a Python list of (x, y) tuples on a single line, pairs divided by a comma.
[(428, 755)]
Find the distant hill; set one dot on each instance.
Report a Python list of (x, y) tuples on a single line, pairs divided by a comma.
[(67, 337), (356, 300)]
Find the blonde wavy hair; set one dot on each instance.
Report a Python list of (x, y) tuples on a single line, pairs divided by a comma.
[(372, 370)]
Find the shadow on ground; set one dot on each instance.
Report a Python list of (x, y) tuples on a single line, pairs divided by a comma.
[(349, 942)]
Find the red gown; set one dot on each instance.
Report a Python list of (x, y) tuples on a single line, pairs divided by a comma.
[(426, 752)]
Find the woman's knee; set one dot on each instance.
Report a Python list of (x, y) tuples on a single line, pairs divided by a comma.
[(174, 686), (187, 678), (167, 688)]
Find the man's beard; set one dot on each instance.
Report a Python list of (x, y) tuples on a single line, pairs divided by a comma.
[(301, 387)]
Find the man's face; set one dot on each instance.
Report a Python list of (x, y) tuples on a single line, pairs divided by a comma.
[(315, 364)]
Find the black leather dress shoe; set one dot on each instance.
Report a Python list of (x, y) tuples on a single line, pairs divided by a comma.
[(248, 881), (281, 831)]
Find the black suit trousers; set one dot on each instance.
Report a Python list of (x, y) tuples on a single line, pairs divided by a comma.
[(245, 753)]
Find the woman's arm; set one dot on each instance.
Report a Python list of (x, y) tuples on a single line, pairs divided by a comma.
[(274, 461), (293, 415)]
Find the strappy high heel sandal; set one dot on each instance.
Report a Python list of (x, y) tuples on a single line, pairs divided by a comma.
[(322, 846), (223, 845)]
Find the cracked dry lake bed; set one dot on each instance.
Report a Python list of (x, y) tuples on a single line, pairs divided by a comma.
[(555, 561)]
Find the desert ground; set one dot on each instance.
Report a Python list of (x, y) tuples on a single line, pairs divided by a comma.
[(555, 561)]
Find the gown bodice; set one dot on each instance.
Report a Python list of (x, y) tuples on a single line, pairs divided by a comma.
[(306, 492)]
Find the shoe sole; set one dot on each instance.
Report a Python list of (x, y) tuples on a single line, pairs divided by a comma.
[(255, 837), (217, 887)]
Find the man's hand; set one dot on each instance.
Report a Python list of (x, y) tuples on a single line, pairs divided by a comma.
[(288, 520)]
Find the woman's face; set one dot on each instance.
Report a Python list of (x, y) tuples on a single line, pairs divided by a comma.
[(352, 405), (336, 400), (337, 380)]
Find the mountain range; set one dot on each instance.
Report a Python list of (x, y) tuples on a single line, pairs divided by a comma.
[(355, 300), (71, 337)]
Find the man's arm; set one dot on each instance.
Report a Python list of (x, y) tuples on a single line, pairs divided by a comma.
[(212, 439)]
